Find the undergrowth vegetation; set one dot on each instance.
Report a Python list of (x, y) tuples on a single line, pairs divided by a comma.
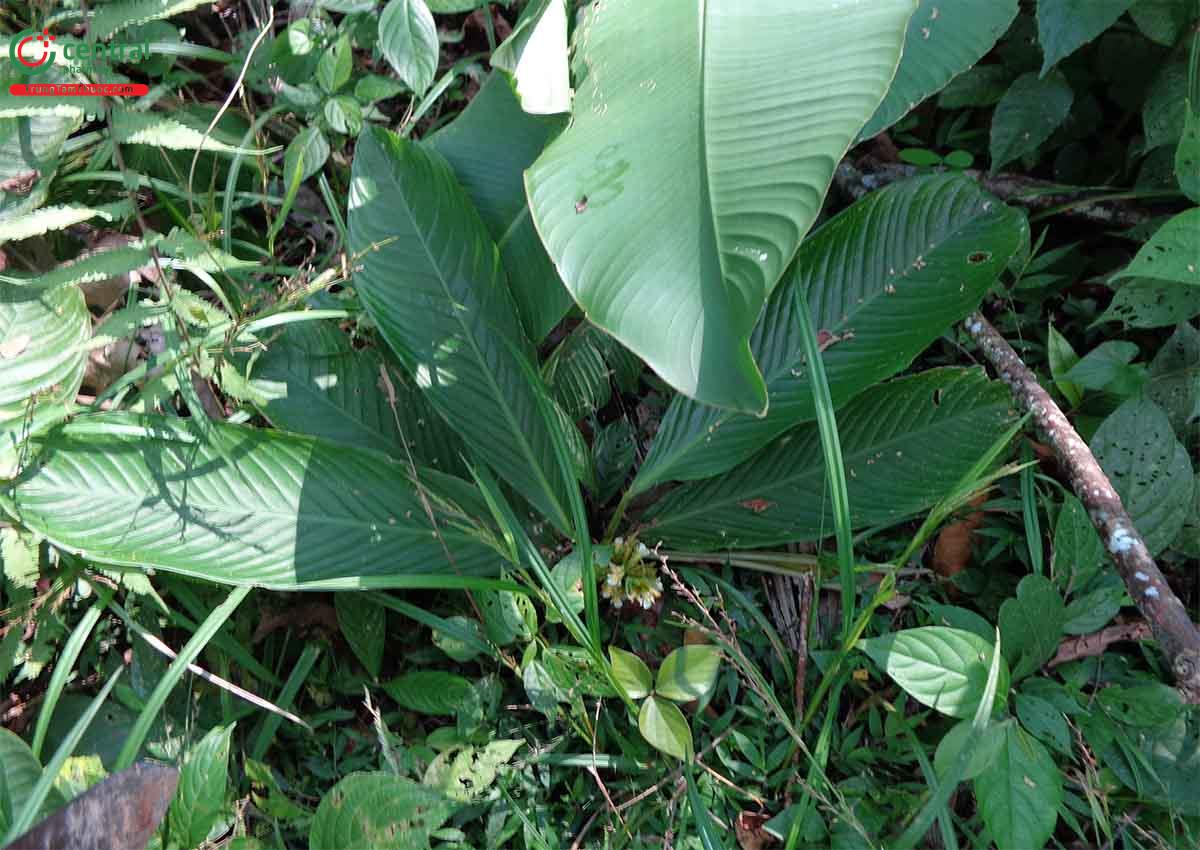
[(434, 424)]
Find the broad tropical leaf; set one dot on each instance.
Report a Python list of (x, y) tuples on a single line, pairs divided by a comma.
[(431, 279), (313, 381), (943, 41), (489, 147), (884, 279), (904, 447), (244, 506), (41, 355), (702, 141)]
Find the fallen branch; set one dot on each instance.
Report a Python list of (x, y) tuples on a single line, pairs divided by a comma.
[(857, 179), (1169, 621), (1097, 643)]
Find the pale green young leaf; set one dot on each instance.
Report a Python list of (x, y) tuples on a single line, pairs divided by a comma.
[(631, 672), (688, 673), (663, 725), (408, 40)]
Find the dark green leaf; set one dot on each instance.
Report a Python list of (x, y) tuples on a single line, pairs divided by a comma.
[(409, 41), (1031, 109), (1078, 552), (1171, 253), (1020, 792), (1045, 722), (429, 691), (364, 625), (1150, 303), (380, 811), (905, 446), (1066, 25), (200, 796), (1031, 625)]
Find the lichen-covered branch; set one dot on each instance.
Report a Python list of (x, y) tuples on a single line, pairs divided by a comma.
[(1168, 619)]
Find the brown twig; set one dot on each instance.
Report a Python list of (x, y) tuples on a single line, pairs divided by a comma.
[(1088, 646), (1168, 619), (858, 178)]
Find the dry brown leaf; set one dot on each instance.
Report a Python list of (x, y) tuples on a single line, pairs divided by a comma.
[(750, 832), (952, 551)]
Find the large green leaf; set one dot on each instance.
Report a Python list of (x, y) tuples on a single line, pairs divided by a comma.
[(313, 381), (41, 337), (904, 446), (240, 506), (943, 668), (200, 796), (432, 281), (536, 57), (703, 138), (1173, 252), (1066, 25), (1149, 468), (1031, 109), (886, 277), (489, 147), (943, 40), (1020, 791), (378, 810)]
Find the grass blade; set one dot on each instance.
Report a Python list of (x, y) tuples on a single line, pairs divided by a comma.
[(270, 723), (189, 653)]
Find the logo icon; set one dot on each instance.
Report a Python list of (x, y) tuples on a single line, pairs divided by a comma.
[(30, 52)]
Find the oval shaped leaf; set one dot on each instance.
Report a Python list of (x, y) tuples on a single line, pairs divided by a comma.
[(943, 668), (364, 626), (1064, 26), (408, 40), (429, 691), (631, 672), (1172, 252), (884, 278), (735, 141), (1020, 791), (239, 506), (378, 810), (431, 279), (688, 673), (42, 334), (904, 447), (1031, 109), (663, 725)]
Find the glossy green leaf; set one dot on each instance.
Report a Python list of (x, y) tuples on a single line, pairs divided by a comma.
[(311, 380), (1149, 468), (674, 99), (1031, 625), (943, 668), (244, 506), (1020, 791), (663, 725), (364, 626), (905, 446), (200, 795), (378, 810), (1173, 252), (688, 673), (884, 279), (631, 672), (943, 40), (489, 146), (432, 692), (408, 40), (41, 355), (536, 57), (1066, 25), (432, 281), (1031, 109), (1174, 382)]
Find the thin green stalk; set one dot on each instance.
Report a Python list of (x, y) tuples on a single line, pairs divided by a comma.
[(64, 665), (1029, 512), (835, 469), (189, 653), (270, 723)]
